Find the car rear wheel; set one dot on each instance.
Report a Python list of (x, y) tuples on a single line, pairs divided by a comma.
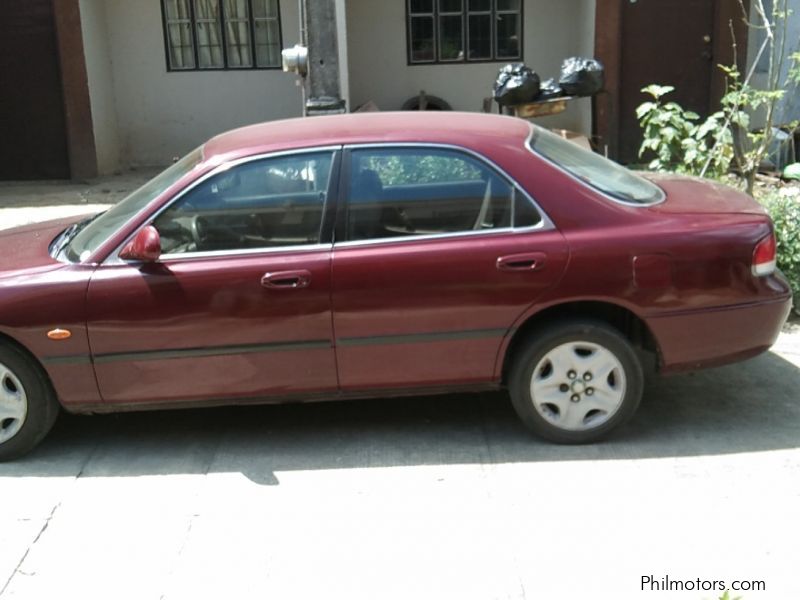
[(575, 381), (28, 408)]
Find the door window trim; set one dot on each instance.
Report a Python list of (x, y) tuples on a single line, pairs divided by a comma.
[(343, 198), (326, 228)]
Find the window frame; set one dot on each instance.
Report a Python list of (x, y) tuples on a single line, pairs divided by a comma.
[(251, 19), (343, 197), (326, 229), (494, 12)]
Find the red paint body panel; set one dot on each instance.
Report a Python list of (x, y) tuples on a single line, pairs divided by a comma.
[(689, 341), (217, 303), (37, 294), (684, 193), (25, 249), (445, 286), (427, 314)]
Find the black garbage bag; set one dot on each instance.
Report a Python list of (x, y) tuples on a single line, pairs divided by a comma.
[(550, 90), (582, 76), (516, 84)]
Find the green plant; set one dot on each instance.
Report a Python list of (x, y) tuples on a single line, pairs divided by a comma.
[(784, 208), (677, 142), (742, 99)]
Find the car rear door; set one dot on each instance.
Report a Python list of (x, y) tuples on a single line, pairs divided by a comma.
[(238, 306), (429, 270)]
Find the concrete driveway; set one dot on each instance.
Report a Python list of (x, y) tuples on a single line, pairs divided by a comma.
[(415, 498), (445, 497)]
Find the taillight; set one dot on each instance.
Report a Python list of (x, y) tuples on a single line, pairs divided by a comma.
[(764, 256)]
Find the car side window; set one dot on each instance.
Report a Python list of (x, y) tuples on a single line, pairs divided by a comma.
[(264, 203), (395, 192)]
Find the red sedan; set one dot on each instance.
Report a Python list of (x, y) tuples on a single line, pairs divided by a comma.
[(384, 254)]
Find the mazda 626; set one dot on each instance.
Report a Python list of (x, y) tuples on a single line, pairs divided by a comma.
[(379, 255)]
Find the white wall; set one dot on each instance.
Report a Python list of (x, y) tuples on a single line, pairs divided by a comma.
[(164, 114), (376, 32), (144, 115), (344, 61), (101, 84)]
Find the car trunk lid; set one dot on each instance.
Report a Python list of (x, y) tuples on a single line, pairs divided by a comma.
[(687, 195)]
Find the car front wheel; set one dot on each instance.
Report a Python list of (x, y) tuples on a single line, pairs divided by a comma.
[(28, 408), (575, 381)]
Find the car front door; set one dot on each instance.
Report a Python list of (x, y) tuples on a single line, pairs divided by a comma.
[(238, 305), (440, 254)]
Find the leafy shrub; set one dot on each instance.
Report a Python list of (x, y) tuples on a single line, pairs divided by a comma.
[(784, 208), (676, 141)]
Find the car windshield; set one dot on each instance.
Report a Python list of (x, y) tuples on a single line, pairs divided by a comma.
[(595, 170), (80, 240)]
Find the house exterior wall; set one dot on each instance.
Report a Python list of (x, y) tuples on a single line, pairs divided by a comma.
[(376, 35), (790, 105), (163, 114), (145, 115), (344, 59), (101, 84), (788, 109)]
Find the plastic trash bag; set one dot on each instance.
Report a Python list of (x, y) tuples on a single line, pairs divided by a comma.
[(516, 84), (550, 90), (582, 76)]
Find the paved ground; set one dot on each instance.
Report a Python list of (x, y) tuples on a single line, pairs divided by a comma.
[(28, 202), (415, 498)]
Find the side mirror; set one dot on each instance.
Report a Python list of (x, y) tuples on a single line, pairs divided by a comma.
[(144, 247)]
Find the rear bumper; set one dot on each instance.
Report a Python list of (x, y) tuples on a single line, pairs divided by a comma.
[(712, 337)]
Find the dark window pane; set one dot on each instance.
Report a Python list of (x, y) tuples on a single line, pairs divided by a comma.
[(480, 5), (238, 36), (177, 9), (508, 36), (422, 39), (525, 214), (260, 204), (508, 5), (219, 33), (421, 6), (236, 9), (209, 34), (237, 33), (265, 9), (402, 192), (480, 37), (181, 50), (450, 6), (451, 42), (268, 50)]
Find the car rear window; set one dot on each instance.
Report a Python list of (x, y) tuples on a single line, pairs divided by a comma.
[(594, 170)]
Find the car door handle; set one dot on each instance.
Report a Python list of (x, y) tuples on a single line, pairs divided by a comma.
[(533, 261), (286, 280)]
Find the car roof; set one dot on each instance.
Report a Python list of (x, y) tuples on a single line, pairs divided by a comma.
[(471, 130)]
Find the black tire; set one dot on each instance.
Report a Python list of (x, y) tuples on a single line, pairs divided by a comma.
[(595, 334), (42, 406)]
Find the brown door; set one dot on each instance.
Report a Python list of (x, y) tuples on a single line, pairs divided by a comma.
[(33, 143), (669, 42)]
